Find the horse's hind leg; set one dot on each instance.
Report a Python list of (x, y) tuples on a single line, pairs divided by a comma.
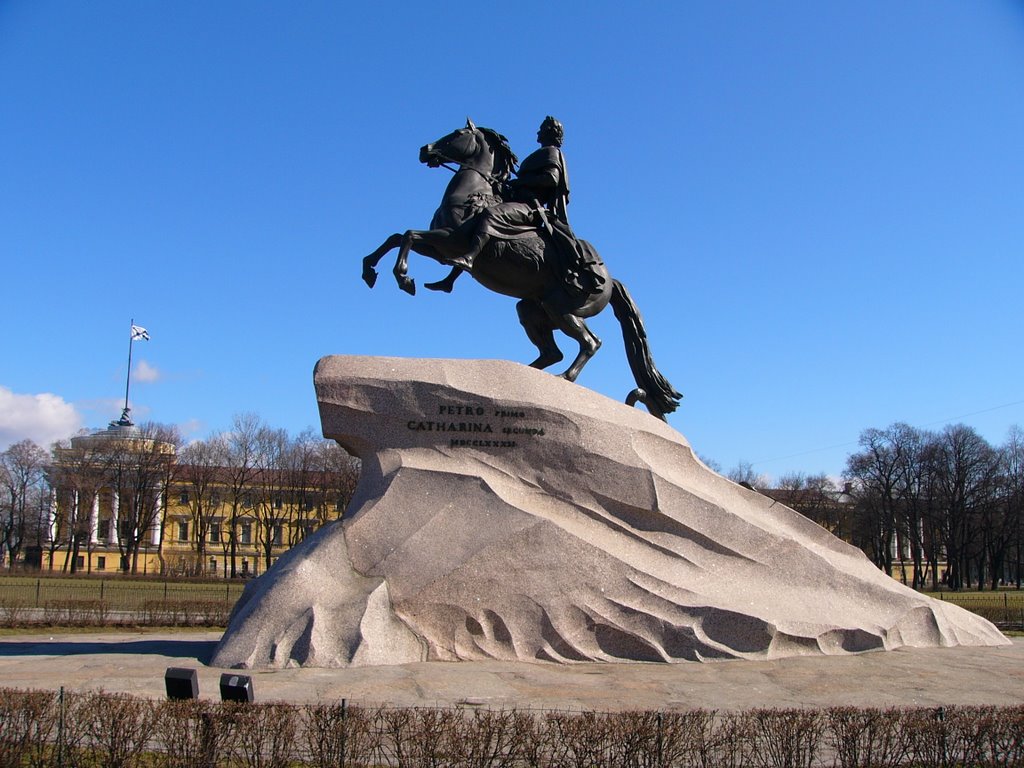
[(539, 328), (575, 328), (371, 261)]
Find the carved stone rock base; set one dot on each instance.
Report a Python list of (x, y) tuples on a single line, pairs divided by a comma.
[(503, 513)]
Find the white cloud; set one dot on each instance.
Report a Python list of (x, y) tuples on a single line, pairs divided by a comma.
[(43, 418), (190, 428), (101, 408), (146, 372)]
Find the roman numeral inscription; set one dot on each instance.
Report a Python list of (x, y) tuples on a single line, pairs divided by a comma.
[(474, 426)]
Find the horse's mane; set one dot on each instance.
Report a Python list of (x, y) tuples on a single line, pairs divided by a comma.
[(505, 159)]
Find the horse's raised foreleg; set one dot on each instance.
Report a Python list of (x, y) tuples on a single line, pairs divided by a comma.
[(539, 328), (371, 261), (401, 270), (437, 244)]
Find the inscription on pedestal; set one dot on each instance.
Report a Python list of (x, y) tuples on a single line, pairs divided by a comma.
[(456, 423)]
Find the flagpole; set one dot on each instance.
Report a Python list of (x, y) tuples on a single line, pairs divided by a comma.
[(128, 378)]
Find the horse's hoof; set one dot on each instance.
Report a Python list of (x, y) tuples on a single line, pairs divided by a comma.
[(408, 285), (370, 276)]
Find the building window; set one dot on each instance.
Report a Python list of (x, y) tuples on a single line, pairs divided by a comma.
[(182, 530), (126, 529), (184, 497), (213, 565), (277, 502), (101, 563), (215, 499), (103, 530), (246, 533), (245, 566), (277, 534), (215, 531), (79, 562)]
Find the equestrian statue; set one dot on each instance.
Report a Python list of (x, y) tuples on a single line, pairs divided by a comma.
[(512, 235)]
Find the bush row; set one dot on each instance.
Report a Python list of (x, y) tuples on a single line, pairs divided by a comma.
[(99, 613), (39, 728)]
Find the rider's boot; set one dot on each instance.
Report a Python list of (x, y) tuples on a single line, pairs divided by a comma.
[(447, 284), (476, 245)]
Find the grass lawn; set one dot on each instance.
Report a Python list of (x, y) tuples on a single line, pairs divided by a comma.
[(38, 632), (125, 593), (1003, 605), (118, 592), (1012, 598)]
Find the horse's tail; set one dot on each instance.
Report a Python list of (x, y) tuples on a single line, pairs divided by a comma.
[(657, 394)]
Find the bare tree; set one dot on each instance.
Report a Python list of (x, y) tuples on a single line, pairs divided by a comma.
[(916, 500), (1013, 469), (338, 477), (240, 468), (814, 496), (710, 463), (1001, 526), (964, 468), (201, 475), (304, 482), (141, 471), (270, 489), (744, 474), (22, 477), (77, 473), (875, 471)]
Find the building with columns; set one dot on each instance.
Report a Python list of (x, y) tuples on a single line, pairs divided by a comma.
[(108, 501), (122, 502)]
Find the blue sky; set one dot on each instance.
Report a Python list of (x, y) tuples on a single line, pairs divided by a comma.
[(817, 206)]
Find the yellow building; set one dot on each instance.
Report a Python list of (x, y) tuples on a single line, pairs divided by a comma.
[(121, 501)]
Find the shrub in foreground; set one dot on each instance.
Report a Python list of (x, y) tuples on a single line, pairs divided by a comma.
[(41, 728)]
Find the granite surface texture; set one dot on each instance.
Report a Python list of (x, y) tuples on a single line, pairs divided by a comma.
[(503, 513)]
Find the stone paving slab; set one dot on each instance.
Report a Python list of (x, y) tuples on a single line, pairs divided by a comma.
[(134, 662)]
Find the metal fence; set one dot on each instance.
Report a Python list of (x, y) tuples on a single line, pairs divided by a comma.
[(1005, 609), (122, 598), (120, 594), (101, 601)]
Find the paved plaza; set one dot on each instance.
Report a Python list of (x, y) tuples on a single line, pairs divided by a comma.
[(134, 662)]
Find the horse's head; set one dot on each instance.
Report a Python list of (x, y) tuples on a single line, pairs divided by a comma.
[(480, 148), (460, 146)]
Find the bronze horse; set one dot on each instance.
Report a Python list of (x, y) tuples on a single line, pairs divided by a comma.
[(524, 269)]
